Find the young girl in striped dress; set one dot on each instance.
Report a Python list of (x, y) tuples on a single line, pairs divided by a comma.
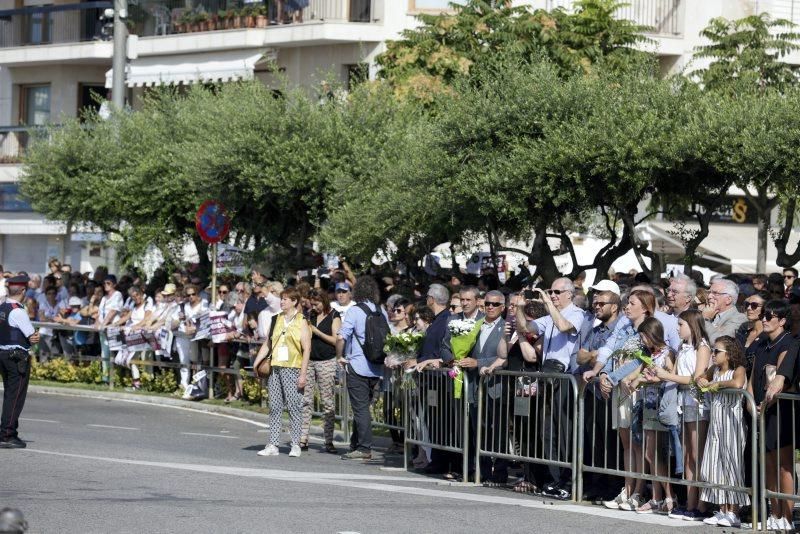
[(723, 460)]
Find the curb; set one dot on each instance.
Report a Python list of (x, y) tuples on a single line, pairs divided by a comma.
[(242, 415)]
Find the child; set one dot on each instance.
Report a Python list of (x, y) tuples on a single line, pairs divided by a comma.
[(723, 458), (659, 416), (691, 363)]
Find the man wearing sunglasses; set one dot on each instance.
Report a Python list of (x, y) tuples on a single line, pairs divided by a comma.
[(559, 330), (722, 297), (789, 276)]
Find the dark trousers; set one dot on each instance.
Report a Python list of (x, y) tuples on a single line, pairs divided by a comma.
[(557, 427), (361, 390), (600, 445), (16, 369)]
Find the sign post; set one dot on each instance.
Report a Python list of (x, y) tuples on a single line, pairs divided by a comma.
[(213, 225)]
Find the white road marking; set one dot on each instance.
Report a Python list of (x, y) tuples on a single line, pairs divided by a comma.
[(114, 427), (370, 482), (208, 435), (38, 420), (224, 431)]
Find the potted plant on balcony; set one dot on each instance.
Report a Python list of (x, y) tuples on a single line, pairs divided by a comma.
[(235, 18), (249, 16), (261, 16), (203, 21), (185, 22), (222, 19)]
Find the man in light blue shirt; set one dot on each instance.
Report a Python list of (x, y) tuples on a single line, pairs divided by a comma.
[(362, 375), (560, 332)]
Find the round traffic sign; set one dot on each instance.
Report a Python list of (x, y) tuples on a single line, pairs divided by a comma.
[(211, 222)]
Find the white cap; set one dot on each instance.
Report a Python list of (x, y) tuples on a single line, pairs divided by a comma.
[(606, 285)]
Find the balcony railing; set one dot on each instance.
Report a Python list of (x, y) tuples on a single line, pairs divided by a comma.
[(72, 23), (65, 23), (780, 9), (663, 16)]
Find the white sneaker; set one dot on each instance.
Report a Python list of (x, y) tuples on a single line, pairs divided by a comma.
[(634, 502), (618, 500), (714, 520), (269, 450), (295, 452), (730, 520)]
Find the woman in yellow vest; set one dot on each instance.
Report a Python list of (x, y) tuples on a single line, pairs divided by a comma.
[(289, 346)]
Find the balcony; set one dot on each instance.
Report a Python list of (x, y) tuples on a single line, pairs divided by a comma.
[(664, 17), (81, 22)]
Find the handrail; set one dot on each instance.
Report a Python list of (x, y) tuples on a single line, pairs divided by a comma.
[(52, 9)]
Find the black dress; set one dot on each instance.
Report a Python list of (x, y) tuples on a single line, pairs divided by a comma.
[(779, 414)]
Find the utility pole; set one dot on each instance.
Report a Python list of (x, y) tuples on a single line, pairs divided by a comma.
[(119, 60)]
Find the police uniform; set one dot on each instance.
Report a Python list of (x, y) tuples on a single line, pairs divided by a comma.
[(15, 329)]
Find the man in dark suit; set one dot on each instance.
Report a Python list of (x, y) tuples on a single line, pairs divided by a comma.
[(483, 354)]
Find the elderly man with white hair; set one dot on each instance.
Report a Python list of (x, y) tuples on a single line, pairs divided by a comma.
[(681, 293), (722, 297)]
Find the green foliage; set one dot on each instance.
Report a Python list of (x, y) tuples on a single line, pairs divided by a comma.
[(444, 47), (746, 54), (90, 374)]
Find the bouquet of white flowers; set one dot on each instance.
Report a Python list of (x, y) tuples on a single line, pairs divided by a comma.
[(632, 349), (463, 335), (401, 347), (461, 327)]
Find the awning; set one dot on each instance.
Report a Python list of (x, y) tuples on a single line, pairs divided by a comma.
[(192, 68), (728, 245)]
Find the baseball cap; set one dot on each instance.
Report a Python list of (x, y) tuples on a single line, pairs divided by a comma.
[(19, 280), (606, 285), (343, 286), (75, 301)]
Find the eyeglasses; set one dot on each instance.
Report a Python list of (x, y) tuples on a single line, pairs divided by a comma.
[(717, 351), (493, 304), (599, 303), (454, 307), (224, 292), (552, 292), (191, 294), (719, 293), (400, 310), (788, 276), (768, 316), (753, 305)]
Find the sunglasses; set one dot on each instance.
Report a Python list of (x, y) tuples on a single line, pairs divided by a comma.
[(789, 276), (400, 310), (224, 292), (343, 291), (753, 305), (191, 294), (717, 351), (769, 316), (454, 307), (599, 303), (556, 291), (493, 304)]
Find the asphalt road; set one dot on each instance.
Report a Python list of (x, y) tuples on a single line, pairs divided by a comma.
[(98, 465)]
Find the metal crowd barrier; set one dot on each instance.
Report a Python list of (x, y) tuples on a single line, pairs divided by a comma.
[(600, 421), (434, 417), (779, 482), (528, 417)]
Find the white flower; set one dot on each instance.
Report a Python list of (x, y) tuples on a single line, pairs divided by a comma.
[(461, 327)]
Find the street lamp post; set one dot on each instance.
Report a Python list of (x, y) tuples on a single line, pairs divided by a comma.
[(119, 60)]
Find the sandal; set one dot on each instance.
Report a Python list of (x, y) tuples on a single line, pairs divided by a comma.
[(650, 507), (303, 445), (666, 507), (523, 486)]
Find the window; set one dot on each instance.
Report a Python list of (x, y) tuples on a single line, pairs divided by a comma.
[(35, 105), (10, 199), (357, 74), (37, 27), (360, 10)]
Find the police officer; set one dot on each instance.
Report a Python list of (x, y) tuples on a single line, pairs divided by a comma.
[(16, 336)]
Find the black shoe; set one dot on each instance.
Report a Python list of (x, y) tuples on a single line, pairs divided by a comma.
[(330, 449), (304, 446), (562, 494), (550, 487), (12, 443)]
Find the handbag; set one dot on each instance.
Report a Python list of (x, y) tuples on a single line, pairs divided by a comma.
[(264, 368)]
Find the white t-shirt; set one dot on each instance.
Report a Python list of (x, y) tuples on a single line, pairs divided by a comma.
[(108, 304), (137, 314), (191, 312)]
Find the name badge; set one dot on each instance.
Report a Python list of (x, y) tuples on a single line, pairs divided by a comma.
[(282, 353)]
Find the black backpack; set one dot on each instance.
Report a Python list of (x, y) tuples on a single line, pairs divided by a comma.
[(375, 331)]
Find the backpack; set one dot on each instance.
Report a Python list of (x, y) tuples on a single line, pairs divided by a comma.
[(375, 331)]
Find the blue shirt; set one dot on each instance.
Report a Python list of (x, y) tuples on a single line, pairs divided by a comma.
[(670, 324), (353, 326), (558, 345)]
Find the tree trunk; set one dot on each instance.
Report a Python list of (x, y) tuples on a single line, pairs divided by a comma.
[(786, 259), (204, 270), (763, 210), (542, 257)]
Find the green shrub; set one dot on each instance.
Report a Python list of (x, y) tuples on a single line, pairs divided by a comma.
[(61, 370), (251, 388)]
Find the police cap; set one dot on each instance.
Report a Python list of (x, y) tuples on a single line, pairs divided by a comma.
[(19, 280)]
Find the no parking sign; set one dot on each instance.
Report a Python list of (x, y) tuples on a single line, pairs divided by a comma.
[(212, 222)]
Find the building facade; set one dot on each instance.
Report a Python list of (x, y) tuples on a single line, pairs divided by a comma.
[(56, 55)]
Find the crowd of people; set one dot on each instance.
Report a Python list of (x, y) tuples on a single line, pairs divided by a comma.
[(652, 358)]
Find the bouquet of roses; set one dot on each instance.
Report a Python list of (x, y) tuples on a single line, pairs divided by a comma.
[(463, 335), (401, 347)]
